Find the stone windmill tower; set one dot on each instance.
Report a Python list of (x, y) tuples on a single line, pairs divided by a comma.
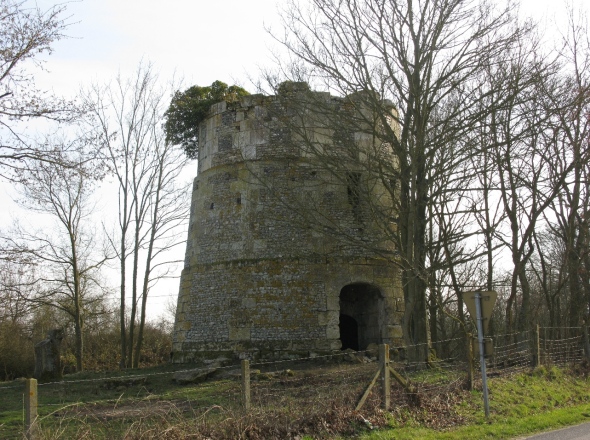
[(273, 265)]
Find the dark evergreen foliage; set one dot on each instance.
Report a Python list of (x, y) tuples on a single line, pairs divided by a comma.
[(189, 108)]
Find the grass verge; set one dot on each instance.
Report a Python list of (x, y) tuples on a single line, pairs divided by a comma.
[(497, 428), (520, 404)]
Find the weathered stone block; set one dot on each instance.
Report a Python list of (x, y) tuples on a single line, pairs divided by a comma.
[(333, 303), (395, 331), (249, 303), (332, 332), (239, 333), (323, 318)]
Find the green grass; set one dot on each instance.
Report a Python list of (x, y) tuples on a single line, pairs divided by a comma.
[(82, 396), (526, 403), (11, 408), (497, 428)]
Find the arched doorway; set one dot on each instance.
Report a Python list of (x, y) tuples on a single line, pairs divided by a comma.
[(361, 316)]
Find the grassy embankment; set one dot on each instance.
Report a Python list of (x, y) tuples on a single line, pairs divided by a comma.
[(520, 405)]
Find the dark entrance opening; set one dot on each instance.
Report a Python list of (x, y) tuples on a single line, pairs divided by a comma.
[(349, 332), (361, 316)]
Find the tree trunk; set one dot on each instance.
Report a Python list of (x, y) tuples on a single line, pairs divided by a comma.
[(525, 321), (148, 261), (131, 343), (79, 342), (145, 290), (77, 293), (122, 311)]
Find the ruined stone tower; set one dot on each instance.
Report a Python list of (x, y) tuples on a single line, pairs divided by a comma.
[(273, 265)]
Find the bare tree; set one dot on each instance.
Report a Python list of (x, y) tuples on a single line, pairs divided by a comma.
[(17, 288), (26, 32), (549, 266), (127, 117), (423, 59), (569, 134), (168, 214), (514, 143), (65, 250)]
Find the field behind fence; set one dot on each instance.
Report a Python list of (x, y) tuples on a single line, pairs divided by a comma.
[(320, 396)]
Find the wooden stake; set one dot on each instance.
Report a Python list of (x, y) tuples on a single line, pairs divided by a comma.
[(537, 346), (31, 401), (385, 378), (367, 391), (403, 382)]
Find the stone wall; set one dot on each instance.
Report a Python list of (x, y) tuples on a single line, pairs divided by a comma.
[(264, 268)]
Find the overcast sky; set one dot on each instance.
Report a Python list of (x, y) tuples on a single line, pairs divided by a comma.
[(198, 40)]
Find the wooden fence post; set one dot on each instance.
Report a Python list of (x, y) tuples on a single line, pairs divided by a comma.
[(246, 383), (385, 379), (31, 428), (537, 347), (545, 342)]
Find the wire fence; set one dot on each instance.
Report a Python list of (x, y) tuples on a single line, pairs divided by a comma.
[(316, 396)]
